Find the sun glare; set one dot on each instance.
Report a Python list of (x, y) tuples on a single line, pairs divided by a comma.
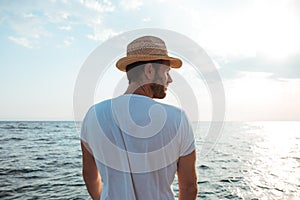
[(277, 29)]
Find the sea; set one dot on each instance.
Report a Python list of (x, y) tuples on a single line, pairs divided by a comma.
[(248, 160)]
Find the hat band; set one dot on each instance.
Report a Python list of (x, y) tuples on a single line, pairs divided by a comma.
[(157, 54), (148, 55)]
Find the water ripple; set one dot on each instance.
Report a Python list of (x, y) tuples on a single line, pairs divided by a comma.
[(42, 160)]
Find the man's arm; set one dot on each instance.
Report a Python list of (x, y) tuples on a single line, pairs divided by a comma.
[(90, 173), (187, 177)]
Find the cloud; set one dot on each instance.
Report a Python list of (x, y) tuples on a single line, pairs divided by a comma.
[(232, 35), (28, 25), (24, 23), (38, 20), (21, 41), (146, 19), (68, 41), (285, 69), (57, 16), (105, 7), (65, 28), (78, 12), (256, 96), (131, 4), (102, 35)]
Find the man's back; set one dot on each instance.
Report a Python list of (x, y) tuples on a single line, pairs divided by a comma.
[(133, 133)]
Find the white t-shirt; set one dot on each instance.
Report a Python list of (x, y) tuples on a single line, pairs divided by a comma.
[(136, 143)]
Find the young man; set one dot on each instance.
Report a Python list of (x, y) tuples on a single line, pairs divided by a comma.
[(132, 146)]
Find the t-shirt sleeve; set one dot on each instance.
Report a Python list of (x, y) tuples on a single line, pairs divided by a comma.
[(83, 131), (187, 143)]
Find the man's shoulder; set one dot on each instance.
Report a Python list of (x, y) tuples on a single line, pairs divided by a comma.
[(172, 109), (99, 106), (103, 103)]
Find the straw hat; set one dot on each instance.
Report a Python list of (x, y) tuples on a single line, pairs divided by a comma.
[(147, 48)]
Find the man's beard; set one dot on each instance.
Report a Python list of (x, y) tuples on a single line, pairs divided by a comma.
[(158, 90)]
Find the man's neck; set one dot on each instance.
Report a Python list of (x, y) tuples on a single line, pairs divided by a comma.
[(144, 90)]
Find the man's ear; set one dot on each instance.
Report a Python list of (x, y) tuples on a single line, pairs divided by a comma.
[(149, 71)]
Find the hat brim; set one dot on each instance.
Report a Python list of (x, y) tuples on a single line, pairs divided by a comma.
[(123, 62)]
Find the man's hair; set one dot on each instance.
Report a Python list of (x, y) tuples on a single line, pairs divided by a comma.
[(135, 69)]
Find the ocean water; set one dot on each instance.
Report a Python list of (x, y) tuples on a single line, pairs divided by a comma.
[(251, 160)]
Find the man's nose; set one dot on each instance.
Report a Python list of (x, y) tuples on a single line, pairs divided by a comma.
[(170, 80)]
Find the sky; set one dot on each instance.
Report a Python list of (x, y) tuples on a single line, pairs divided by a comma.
[(254, 44)]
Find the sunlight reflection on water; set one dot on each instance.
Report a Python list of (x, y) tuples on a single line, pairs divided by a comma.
[(252, 160)]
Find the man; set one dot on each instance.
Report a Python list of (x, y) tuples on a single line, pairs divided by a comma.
[(132, 146)]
